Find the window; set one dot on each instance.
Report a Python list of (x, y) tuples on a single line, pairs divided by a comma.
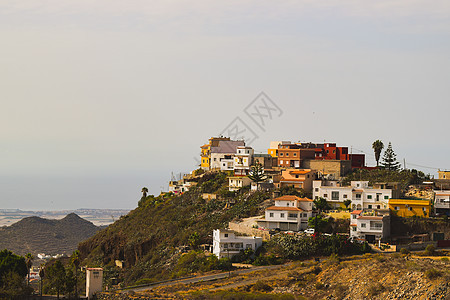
[(325, 195), (226, 234), (334, 151), (305, 215), (295, 154), (334, 195), (287, 204), (358, 196), (281, 153), (410, 208), (363, 225), (369, 196), (215, 158), (248, 246), (397, 208), (282, 215), (316, 189), (354, 228), (345, 196), (424, 209), (281, 162), (369, 206), (287, 154), (354, 216), (378, 207), (296, 176), (386, 197), (225, 245), (271, 215), (291, 215)]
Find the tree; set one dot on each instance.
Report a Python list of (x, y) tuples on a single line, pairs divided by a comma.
[(257, 174), (75, 261), (194, 240), (13, 270), (29, 261), (56, 278), (389, 160), (321, 204), (347, 203), (377, 147), (144, 192), (318, 223)]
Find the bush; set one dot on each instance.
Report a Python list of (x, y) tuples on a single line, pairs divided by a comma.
[(432, 273), (319, 285), (445, 259), (404, 251), (430, 250), (261, 287), (375, 289)]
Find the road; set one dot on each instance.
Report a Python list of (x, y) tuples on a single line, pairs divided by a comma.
[(203, 278)]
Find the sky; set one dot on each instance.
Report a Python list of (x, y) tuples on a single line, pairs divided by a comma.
[(101, 98)]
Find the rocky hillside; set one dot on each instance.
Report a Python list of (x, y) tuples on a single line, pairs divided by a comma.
[(149, 239), (37, 235), (369, 276)]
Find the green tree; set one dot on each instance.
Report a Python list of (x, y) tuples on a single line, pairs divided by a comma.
[(318, 222), (194, 240), (75, 261), (13, 270), (29, 261), (377, 147), (389, 160), (144, 192), (321, 204), (56, 278), (347, 203), (257, 174)]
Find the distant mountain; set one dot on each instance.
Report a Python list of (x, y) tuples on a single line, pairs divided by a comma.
[(37, 235)]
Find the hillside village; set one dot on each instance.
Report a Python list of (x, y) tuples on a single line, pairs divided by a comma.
[(316, 172)]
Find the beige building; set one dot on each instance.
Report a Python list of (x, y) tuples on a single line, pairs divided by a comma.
[(94, 281), (444, 174), (332, 169)]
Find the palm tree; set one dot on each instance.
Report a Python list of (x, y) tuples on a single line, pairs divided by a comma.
[(144, 192), (377, 148), (29, 261), (75, 261)]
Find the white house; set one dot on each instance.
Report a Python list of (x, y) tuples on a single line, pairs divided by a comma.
[(237, 182), (226, 163), (370, 226), (227, 244), (242, 160), (288, 213), (442, 202), (359, 192)]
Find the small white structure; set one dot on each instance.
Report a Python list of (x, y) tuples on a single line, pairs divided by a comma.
[(94, 281), (242, 160), (370, 226), (442, 202), (227, 244), (289, 213)]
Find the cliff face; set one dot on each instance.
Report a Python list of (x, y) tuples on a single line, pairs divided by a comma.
[(37, 235)]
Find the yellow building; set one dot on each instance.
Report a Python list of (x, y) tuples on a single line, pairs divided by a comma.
[(444, 174), (205, 162), (410, 208)]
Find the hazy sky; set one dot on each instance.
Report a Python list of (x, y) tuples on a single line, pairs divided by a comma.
[(101, 98)]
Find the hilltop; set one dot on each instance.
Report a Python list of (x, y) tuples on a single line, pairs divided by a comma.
[(37, 235)]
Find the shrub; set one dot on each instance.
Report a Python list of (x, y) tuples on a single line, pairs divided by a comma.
[(445, 259), (432, 273), (404, 251), (319, 285), (261, 286), (430, 250), (375, 289)]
